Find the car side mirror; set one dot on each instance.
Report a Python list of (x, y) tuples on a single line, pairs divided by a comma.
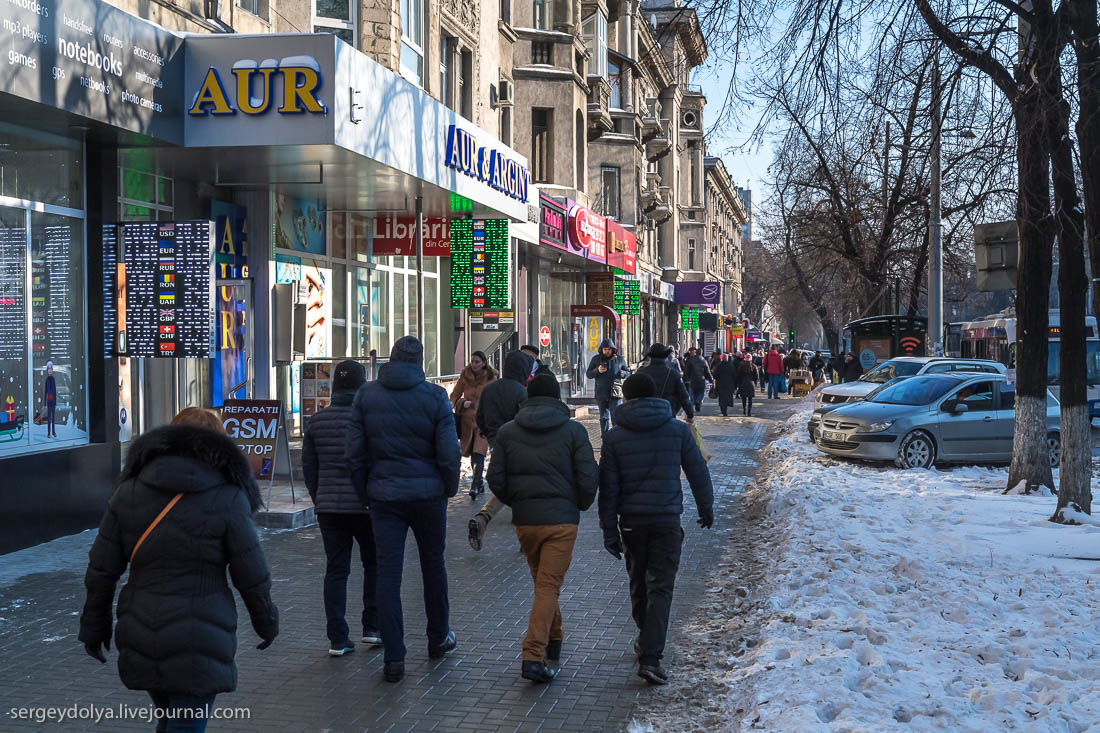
[(960, 407)]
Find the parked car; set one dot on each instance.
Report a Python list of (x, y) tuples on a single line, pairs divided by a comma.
[(831, 397), (953, 417)]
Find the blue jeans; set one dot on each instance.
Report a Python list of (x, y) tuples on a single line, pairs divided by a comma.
[(774, 380), (391, 521), (177, 712), (697, 398), (338, 531), (606, 406)]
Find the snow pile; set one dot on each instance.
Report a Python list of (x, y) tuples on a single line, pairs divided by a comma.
[(924, 599)]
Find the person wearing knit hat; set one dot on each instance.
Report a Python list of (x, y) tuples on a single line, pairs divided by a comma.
[(640, 494), (669, 384), (544, 469), (404, 457), (341, 516)]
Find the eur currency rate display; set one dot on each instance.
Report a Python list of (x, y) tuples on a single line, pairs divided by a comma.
[(169, 289), (479, 264)]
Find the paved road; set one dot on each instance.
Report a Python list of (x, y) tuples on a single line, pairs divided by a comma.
[(295, 685)]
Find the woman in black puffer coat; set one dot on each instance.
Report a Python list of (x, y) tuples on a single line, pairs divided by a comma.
[(177, 620)]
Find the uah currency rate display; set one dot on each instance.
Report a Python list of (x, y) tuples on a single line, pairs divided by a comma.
[(479, 264), (689, 319), (169, 289), (628, 297)]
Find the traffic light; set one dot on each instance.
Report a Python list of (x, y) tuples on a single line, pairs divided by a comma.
[(790, 339)]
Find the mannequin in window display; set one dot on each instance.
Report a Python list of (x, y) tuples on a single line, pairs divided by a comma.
[(49, 389)]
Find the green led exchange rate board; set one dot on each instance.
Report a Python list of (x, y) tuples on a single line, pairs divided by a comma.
[(479, 264), (628, 297)]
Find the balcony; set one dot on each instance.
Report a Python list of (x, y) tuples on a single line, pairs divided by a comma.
[(659, 208), (660, 144), (599, 107), (651, 119)]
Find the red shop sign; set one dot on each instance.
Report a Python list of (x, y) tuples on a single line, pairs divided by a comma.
[(588, 232), (395, 236), (622, 248)]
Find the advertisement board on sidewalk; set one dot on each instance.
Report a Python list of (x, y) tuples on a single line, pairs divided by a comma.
[(254, 426)]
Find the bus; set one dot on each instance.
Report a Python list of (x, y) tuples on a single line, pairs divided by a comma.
[(879, 338), (994, 337)]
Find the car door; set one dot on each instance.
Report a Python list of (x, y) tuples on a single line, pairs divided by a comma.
[(1005, 422), (968, 436)]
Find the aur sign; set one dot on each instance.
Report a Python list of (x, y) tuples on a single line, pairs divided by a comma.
[(489, 166), (291, 87)]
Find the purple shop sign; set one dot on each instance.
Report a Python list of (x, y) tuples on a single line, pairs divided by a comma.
[(698, 293)]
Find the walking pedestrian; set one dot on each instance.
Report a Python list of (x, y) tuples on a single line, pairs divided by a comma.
[(539, 368), (543, 467), (850, 371), (641, 498), (773, 366), (499, 403), (181, 515), (609, 370), (725, 382), (465, 396), (404, 458), (746, 385), (697, 374), (758, 362), (342, 516), (817, 368), (669, 384)]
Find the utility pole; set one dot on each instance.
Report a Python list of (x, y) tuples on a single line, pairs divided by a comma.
[(420, 269), (935, 223)]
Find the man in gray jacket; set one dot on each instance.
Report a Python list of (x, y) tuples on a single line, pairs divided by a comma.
[(341, 515)]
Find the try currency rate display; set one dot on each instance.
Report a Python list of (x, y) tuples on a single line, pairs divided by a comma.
[(689, 319), (628, 297), (170, 282), (480, 264)]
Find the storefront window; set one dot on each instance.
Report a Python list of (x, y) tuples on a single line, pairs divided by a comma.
[(380, 312), (38, 166), (431, 326)]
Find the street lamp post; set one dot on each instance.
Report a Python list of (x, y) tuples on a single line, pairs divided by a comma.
[(935, 224)]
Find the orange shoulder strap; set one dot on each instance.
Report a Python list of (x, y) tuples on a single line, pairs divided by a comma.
[(153, 526)]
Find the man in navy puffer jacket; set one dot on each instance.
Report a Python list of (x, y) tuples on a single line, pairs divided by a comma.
[(640, 495), (402, 451)]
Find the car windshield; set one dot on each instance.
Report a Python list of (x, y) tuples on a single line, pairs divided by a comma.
[(916, 391), (886, 371)]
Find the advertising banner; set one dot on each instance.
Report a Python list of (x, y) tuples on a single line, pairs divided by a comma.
[(254, 426), (622, 248), (395, 236), (698, 293), (587, 232)]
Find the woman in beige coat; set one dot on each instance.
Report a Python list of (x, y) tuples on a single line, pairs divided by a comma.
[(464, 398)]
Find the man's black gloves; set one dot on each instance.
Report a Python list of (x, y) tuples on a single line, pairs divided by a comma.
[(706, 518), (613, 544), (95, 650)]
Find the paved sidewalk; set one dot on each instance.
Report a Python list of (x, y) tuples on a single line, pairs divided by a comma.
[(295, 685)]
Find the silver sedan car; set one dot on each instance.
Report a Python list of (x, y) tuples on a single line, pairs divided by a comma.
[(942, 418)]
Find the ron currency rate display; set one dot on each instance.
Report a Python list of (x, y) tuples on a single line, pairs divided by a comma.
[(479, 264), (169, 289), (689, 319), (628, 297)]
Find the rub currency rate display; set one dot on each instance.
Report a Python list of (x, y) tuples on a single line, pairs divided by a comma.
[(169, 289), (479, 264)]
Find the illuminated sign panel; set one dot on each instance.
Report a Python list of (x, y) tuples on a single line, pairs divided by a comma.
[(480, 264), (169, 289), (628, 297), (489, 166), (689, 319)]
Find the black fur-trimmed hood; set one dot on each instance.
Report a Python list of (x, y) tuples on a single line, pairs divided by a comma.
[(216, 454)]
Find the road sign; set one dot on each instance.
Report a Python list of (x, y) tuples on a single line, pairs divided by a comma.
[(544, 336)]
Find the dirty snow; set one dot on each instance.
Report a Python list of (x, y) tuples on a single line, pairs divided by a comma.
[(922, 600)]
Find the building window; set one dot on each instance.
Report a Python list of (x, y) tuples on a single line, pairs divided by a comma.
[(334, 16), (691, 254), (446, 75), (256, 7), (594, 30), (615, 78), (466, 84), (412, 40), (541, 154), (581, 141), (506, 11), (542, 52), (506, 126), (544, 14), (609, 177)]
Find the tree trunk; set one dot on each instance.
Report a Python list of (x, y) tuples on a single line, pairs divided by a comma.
[(1087, 47), (1076, 465), (1030, 458)]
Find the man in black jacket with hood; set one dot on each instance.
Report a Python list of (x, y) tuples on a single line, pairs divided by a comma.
[(670, 386), (609, 370), (341, 515), (544, 469), (539, 367), (500, 401), (640, 495)]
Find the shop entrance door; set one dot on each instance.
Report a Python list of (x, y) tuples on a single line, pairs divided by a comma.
[(591, 330)]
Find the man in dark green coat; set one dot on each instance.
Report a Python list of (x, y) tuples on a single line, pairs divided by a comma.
[(544, 469)]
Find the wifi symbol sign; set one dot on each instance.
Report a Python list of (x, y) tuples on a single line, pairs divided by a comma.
[(909, 344)]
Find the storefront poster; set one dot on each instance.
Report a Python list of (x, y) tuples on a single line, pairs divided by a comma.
[(230, 368), (299, 225), (395, 236), (230, 239), (313, 292), (622, 248), (254, 426), (287, 269)]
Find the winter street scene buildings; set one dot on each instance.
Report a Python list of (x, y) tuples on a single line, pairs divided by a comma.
[(582, 365)]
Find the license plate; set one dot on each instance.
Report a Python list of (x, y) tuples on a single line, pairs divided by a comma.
[(830, 435)]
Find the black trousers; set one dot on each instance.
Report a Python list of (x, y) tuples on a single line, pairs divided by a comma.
[(746, 404), (337, 532), (652, 560)]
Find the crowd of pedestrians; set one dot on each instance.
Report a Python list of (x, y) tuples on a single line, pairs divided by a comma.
[(383, 460)]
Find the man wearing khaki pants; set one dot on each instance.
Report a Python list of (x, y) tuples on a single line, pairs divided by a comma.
[(544, 469)]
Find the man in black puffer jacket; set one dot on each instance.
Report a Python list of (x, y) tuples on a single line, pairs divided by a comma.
[(177, 620), (500, 401), (608, 369), (640, 494), (670, 386), (402, 451), (341, 515), (544, 469)]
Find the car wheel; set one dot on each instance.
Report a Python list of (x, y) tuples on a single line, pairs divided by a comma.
[(917, 450), (1054, 449)]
